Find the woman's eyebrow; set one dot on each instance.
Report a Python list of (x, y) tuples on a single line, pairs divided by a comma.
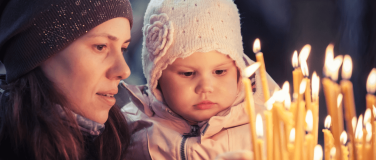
[(111, 37)]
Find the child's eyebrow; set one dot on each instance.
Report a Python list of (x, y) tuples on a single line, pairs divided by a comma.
[(225, 63)]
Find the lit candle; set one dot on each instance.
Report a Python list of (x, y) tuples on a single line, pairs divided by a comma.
[(300, 124), (374, 134), (280, 114), (290, 146), (259, 142), (359, 138), (367, 142), (348, 98), (309, 136), (315, 106), (297, 74), (260, 59), (333, 153), (345, 150), (303, 64), (269, 130), (371, 88), (250, 103), (318, 153), (328, 137)]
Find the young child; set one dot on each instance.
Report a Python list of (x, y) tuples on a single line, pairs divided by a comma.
[(192, 106)]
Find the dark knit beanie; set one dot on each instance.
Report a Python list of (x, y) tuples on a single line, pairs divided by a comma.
[(31, 31)]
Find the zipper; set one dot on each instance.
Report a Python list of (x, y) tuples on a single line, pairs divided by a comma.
[(195, 132)]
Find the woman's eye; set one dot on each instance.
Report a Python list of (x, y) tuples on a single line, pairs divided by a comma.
[(124, 50), (220, 72), (100, 47), (187, 74)]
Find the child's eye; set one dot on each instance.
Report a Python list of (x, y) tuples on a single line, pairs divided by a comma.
[(187, 74), (100, 47), (220, 72)]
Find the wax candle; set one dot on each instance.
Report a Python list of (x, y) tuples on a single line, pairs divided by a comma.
[(367, 135), (260, 59), (359, 139), (333, 153), (290, 146), (249, 103), (328, 137), (309, 136), (299, 131), (297, 74), (269, 134), (371, 88), (315, 106), (260, 142), (348, 98), (344, 148), (308, 88), (318, 153), (374, 134)]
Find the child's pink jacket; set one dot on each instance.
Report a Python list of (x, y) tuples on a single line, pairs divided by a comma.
[(158, 133)]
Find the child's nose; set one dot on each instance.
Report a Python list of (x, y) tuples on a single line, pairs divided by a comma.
[(205, 85)]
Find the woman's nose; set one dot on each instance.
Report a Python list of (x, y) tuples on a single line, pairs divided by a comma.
[(205, 85), (120, 69)]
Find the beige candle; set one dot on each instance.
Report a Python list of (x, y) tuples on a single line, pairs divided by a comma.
[(308, 88), (269, 133), (318, 153), (359, 139), (333, 153), (328, 137), (297, 74), (309, 136), (315, 106), (260, 59), (300, 125), (290, 146), (260, 143), (344, 148), (249, 103), (371, 88), (374, 135)]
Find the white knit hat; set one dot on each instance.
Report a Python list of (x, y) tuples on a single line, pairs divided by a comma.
[(177, 28)]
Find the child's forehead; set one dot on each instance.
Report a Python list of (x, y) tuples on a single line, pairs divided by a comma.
[(208, 59)]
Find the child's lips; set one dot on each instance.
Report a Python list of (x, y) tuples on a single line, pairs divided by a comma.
[(204, 105)]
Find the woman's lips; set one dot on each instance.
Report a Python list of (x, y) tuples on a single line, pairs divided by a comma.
[(204, 105), (107, 98)]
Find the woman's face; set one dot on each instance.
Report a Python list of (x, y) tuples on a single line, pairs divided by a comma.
[(89, 70)]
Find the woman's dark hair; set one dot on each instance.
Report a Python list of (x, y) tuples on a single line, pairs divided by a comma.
[(32, 128)]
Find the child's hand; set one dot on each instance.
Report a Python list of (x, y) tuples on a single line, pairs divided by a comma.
[(236, 155)]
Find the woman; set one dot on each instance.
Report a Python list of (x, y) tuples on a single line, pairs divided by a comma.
[(64, 60)]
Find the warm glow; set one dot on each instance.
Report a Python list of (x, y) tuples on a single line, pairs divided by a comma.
[(304, 53), (369, 131), (302, 87), (343, 138), (288, 101), (315, 86), (339, 100), (334, 68), (317, 153), (259, 126), (371, 82), (333, 152), (374, 111), (304, 67), (292, 136), (359, 128), (353, 123), (279, 96), (367, 116), (328, 122), (346, 67), (269, 104), (256, 46), (251, 69), (286, 87), (329, 57), (309, 120), (295, 62)]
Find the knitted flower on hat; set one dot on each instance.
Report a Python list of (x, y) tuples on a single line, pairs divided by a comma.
[(158, 36), (178, 28)]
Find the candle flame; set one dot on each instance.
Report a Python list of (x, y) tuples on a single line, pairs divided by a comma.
[(359, 128), (292, 135), (369, 132), (304, 53), (259, 126), (303, 86), (333, 152), (353, 123), (304, 67), (269, 104), (328, 122), (371, 82), (343, 138), (329, 57), (309, 120), (288, 101), (339, 100), (315, 86), (318, 155), (374, 110), (295, 62), (367, 116), (286, 87), (347, 67), (256, 46), (334, 68), (251, 69)]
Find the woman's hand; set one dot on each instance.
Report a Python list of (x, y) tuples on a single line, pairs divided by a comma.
[(236, 155)]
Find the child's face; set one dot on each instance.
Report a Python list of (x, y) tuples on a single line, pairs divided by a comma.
[(200, 86)]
